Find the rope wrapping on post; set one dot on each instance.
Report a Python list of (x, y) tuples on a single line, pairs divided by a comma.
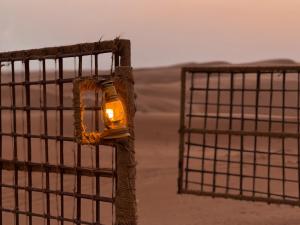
[(126, 209), (80, 85)]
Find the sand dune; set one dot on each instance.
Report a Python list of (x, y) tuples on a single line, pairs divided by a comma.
[(158, 89)]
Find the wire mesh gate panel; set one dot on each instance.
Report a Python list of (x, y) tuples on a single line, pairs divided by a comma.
[(46, 177), (239, 133)]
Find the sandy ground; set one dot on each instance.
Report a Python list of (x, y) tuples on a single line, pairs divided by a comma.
[(158, 202)]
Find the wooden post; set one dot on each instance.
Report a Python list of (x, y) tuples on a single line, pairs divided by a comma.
[(126, 209), (181, 132)]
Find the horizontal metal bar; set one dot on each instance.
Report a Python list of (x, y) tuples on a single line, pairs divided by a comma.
[(227, 117), (239, 175), (47, 216), (245, 89), (62, 52), (58, 192), (53, 81), (245, 150), (107, 142), (246, 116), (245, 105), (244, 68), (38, 82), (48, 108), (44, 167), (244, 163), (71, 139), (243, 133), (243, 197), (230, 188)]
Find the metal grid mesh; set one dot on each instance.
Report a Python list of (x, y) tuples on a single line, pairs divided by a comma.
[(47, 178), (239, 135)]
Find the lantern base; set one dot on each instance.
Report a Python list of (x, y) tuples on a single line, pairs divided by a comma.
[(115, 133)]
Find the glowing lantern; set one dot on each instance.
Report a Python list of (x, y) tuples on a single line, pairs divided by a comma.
[(113, 112)]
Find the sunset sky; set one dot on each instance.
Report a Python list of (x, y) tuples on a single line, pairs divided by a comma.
[(162, 32)]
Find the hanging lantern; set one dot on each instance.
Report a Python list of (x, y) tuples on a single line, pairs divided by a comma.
[(112, 111)]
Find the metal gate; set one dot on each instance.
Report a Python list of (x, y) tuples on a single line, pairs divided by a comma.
[(239, 133), (47, 177)]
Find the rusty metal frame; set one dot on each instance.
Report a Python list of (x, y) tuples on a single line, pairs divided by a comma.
[(123, 174), (196, 149)]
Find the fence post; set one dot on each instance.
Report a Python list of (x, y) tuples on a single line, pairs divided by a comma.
[(125, 163), (181, 132)]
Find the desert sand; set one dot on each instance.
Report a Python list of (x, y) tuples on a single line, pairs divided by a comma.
[(157, 123)]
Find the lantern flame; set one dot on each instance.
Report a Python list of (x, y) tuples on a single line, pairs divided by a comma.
[(110, 113)]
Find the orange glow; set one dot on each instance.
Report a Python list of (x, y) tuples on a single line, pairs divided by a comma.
[(115, 115)]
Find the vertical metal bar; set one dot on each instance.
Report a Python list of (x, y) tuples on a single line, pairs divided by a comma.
[(269, 138), (230, 128), (217, 136), (189, 134), (61, 133), (117, 59), (97, 121), (46, 141), (205, 126), (28, 120), (96, 65), (298, 125), (79, 160), (15, 141), (242, 136), (181, 132), (1, 145), (256, 127), (283, 130)]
